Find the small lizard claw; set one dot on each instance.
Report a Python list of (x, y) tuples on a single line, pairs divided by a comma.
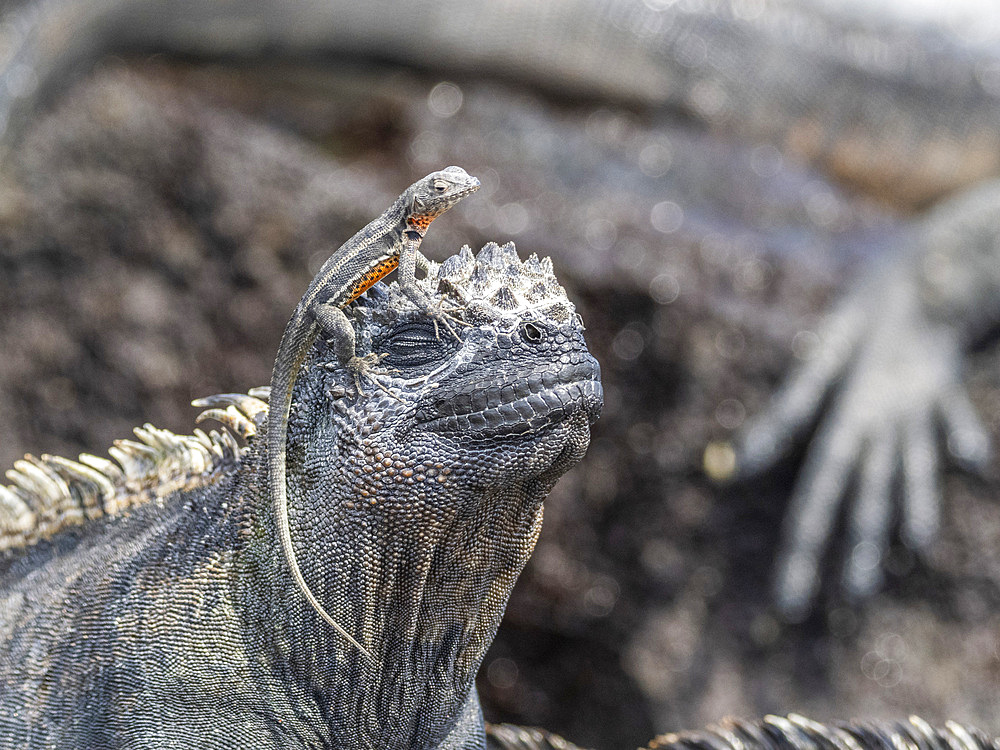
[(439, 315), (364, 367)]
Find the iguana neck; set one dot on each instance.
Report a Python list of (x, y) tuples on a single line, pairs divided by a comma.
[(422, 583)]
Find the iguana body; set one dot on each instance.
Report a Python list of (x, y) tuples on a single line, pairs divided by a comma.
[(178, 623), (389, 241)]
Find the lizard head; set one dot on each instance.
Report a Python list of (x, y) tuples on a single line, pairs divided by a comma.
[(436, 193)]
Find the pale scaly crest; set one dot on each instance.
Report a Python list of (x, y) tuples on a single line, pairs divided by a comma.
[(48, 494)]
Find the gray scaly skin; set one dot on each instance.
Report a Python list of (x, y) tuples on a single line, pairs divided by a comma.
[(390, 241), (178, 623), (793, 730)]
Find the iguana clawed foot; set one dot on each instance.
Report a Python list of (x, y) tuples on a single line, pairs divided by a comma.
[(894, 378), (883, 383)]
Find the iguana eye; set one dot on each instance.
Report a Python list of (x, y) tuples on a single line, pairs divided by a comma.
[(416, 345), (440, 185)]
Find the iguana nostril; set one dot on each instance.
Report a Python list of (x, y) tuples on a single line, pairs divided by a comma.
[(532, 333)]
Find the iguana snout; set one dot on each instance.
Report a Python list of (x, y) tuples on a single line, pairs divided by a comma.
[(508, 399)]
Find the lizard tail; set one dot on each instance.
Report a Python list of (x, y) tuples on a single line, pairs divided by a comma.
[(297, 340)]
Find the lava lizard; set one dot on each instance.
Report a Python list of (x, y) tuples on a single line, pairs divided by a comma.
[(390, 241)]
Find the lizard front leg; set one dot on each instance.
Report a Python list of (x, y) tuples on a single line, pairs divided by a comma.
[(336, 328), (410, 260)]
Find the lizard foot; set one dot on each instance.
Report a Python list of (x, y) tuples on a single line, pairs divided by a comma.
[(365, 367), (438, 314)]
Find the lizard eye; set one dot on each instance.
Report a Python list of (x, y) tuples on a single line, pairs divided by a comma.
[(439, 185), (415, 345)]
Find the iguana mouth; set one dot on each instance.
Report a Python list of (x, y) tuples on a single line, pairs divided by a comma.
[(522, 404)]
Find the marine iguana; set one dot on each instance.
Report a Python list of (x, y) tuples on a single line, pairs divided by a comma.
[(146, 602), (905, 112), (774, 733)]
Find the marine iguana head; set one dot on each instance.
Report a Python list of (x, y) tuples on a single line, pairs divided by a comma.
[(414, 510), (434, 194)]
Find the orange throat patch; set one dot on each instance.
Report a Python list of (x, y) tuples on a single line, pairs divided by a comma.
[(420, 222)]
